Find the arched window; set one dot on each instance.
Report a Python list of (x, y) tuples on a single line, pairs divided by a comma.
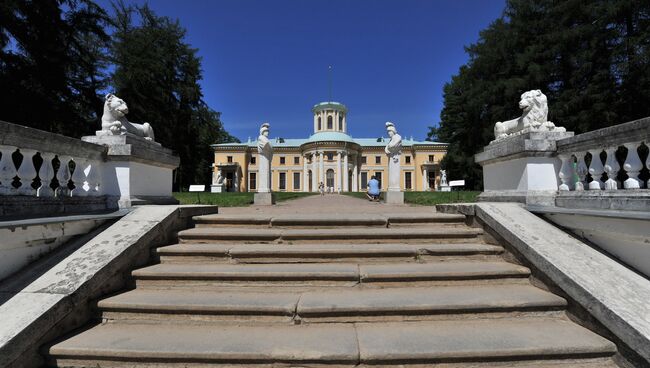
[(319, 124), (330, 178), (341, 123), (330, 123)]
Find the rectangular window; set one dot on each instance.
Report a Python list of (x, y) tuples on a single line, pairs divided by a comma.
[(252, 181), (408, 159), (229, 158), (364, 160), (283, 181), (282, 160), (364, 180), (377, 159), (378, 177), (330, 156), (296, 160), (296, 181), (430, 158), (407, 180), (252, 160)]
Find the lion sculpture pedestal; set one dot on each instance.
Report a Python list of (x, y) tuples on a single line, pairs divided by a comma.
[(521, 165), (138, 169)]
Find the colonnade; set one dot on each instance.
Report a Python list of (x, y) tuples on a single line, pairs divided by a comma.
[(342, 169)]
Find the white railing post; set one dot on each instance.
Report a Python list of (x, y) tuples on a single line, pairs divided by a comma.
[(27, 172), (46, 173), (596, 170), (611, 168), (566, 172), (78, 177), (94, 178), (7, 170), (63, 176), (581, 171), (632, 166)]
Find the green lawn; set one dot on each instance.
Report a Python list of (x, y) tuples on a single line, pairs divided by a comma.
[(430, 198), (231, 199)]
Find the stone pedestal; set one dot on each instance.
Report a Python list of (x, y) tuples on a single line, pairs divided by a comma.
[(394, 197), (445, 188), (137, 171), (263, 199), (216, 188), (522, 168)]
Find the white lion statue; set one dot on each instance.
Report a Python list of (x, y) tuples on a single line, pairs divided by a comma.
[(114, 119), (535, 107)]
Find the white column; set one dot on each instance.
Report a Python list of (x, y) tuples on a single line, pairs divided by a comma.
[(339, 174), (346, 173), (425, 181), (305, 174), (355, 174), (611, 168), (632, 166), (566, 172), (596, 170), (321, 169), (314, 172)]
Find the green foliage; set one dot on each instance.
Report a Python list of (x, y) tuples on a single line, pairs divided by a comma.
[(158, 74), (232, 199), (590, 57), (52, 64)]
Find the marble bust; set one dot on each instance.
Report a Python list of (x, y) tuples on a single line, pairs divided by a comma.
[(265, 151), (394, 150)]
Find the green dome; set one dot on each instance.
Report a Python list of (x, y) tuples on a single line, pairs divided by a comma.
[(331, 105), (330, 136)]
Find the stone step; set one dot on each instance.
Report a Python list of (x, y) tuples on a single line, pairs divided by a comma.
[(342, 344), (323, 252), (326, 220), (212, 234), (194, 274), (341, 304)]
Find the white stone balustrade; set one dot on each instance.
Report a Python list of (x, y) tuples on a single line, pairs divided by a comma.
[(573, 151)]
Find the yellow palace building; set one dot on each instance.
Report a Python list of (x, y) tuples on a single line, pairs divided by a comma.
[(330, 156)]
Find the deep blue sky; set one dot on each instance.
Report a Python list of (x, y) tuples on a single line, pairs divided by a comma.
[(267, 60)]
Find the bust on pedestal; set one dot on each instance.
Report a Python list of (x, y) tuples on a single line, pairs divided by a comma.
[(520, 164), (393, 149), (265, 150), (138, 169)]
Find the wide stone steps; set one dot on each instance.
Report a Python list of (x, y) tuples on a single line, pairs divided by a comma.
[(324, 252), (329, 304), (326, 220), (196, 274), (431, 342), (229, 234)]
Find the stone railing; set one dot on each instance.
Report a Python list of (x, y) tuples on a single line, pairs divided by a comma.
[(41, 164), (582, 165), (42, 173)]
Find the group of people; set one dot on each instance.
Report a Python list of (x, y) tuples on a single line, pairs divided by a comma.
[(322, 189), (373, 192)]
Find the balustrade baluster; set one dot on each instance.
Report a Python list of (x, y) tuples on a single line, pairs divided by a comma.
[(63, 176), (566, 172), (7, 170), (78, 178), (94, 178), (632, 166), (611, 168), (596, 170), (46, 173), (27, 172), (581, 171)]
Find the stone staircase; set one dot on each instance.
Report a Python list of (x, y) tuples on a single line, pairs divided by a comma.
[(307, 291)]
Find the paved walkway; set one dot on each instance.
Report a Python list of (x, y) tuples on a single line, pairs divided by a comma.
[(329, 203)]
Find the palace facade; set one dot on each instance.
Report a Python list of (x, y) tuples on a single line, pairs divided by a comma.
[(330, 156)]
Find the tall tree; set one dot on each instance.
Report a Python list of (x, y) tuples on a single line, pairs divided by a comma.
[(158, 74), (590, 57), (52, 57)]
